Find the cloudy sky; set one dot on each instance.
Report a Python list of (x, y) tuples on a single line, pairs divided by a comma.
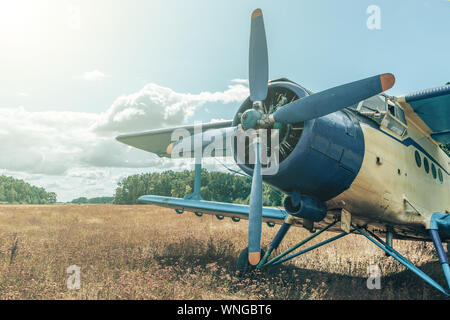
[(75, 74)]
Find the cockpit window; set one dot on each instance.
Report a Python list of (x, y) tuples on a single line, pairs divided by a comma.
[(375, 103), (385, 112), (391, 110), (399, 114)]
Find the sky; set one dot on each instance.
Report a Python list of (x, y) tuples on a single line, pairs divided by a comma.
[(75, 74)]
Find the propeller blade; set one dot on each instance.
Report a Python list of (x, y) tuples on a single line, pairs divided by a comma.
[(334, 99), (255, 214), (258, 59)]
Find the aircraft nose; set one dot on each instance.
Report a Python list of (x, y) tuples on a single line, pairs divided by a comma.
[(326, 159)]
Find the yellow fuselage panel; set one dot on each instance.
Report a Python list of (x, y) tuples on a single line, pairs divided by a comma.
[(390, 187)]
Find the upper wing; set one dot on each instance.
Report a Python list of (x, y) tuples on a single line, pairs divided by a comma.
[(432, 107), (157, 141)]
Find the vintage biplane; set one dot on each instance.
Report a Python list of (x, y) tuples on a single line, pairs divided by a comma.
[(351, 159)]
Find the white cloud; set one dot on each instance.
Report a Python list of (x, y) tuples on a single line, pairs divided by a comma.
[(218, 120), (240, 81), (75, 153), (93, 75), (155, 106)]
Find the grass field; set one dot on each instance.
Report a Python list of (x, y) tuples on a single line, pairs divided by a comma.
[(146, 252)]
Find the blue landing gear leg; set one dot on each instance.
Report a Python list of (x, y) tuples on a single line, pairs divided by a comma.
[(275, 242), (442, 256), (408, 264), (389, 237), (441, 222), (282, 257)]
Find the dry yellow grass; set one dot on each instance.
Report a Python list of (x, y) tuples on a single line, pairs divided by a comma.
[(146, 252)]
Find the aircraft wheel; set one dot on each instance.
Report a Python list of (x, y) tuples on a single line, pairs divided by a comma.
[(242, 265)]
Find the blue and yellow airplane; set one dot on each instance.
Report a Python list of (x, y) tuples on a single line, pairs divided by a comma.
[(352, 159)]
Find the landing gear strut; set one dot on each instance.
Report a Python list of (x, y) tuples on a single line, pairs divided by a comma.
[(244, 266)]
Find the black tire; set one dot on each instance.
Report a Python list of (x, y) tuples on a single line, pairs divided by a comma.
[(242, 264)]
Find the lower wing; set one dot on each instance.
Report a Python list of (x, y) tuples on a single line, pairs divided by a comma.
[(236, 211), (272, 216)]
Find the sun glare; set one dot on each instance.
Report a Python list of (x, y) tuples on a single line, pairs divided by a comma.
[(16, 19)]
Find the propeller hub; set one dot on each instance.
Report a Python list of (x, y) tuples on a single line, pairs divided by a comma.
[(250, 118)]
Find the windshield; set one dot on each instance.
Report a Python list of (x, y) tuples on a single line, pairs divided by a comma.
[(391, 117)]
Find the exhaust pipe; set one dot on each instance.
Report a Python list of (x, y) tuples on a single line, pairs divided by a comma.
[(305, 207)]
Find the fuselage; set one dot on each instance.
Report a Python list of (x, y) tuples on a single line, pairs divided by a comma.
[(394, 186), (387, 173)]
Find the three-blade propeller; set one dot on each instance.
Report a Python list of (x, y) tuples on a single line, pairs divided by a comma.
[(307, 108), (310, 107)]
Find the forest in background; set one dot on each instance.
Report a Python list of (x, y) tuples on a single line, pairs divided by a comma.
[(216, 186), (18, 191), (84, 200)]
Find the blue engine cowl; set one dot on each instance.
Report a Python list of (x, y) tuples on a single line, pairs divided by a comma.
[(326, 158), (305, 207)]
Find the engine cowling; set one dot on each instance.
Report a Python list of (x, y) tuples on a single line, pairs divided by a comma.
[(319, 158)]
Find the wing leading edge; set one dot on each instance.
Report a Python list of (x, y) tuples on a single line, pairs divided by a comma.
[(157, 141), (271, 215)]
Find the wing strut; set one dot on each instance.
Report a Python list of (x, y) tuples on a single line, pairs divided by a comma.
[(198, 171)]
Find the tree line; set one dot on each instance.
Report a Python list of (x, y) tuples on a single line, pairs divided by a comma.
[(84, 200), (18, 191), (216, 186)]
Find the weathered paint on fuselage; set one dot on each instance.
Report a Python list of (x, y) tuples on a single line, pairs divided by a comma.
[(390, 189), (353, 163)]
